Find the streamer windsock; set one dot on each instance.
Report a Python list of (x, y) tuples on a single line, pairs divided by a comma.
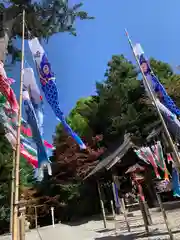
[(6, 90), (166, 105), (154, 83), (175, 182), (29, 83), (159, 158), (169, 158), (48, 85), (27, 151), (30, 158), (32, 121), (147, 154), (27, 133), (141, 155)]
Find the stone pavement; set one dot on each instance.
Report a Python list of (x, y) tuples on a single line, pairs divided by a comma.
[(93, 230)]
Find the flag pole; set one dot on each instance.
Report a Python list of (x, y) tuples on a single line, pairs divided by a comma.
[(12, 189), (15, 227), (176, 155)]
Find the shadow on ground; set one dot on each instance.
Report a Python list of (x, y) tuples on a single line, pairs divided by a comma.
[(105, 230), (83, 221), (133, 236)]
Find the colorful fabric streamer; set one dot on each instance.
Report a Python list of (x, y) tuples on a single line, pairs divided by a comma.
[(48, 85), (141, 155), (175, 182), (169, 158), (9, 120), (171, 120), (147, 154), (7, 91), (29, 83), (156, 86), (159, 158), (27, 133), (30, 158), (32, 121)]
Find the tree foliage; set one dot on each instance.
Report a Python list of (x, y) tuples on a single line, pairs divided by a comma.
[(42, 20), (65, 190), (5, 183)]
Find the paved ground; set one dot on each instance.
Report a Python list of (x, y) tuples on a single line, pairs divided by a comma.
[(93, 230)]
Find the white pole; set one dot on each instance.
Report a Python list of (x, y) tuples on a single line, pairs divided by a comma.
[(52, 215)]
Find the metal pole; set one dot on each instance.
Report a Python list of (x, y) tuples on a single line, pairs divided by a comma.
[(17, 160), (102, 206), (52, 215), (12, 190), (164, 216), (176, 155)]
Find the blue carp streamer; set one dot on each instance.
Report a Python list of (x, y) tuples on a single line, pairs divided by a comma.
[(48, 85), (32, 121), (175, 182), (158, 87)]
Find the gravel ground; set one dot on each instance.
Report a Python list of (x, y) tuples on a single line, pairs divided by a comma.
[(93, 230)]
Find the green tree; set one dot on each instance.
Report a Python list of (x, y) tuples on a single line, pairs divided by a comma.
[(43, 19), (83, 115), (65, 190), (121, 104), (5, 183)]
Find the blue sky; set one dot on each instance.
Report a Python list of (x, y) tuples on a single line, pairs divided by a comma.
[(79, 62)]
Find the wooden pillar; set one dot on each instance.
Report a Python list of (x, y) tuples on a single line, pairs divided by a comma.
[(116, 197), (145, 219), (22, 223), (35, 211), (52, 216), (102, 205), (147, 213), (112, 208), (143, 205), (164, 216), (124, 213)]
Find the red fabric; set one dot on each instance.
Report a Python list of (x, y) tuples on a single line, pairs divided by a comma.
[(26, 131), (48, 145), (169, 158), (7, 91)]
